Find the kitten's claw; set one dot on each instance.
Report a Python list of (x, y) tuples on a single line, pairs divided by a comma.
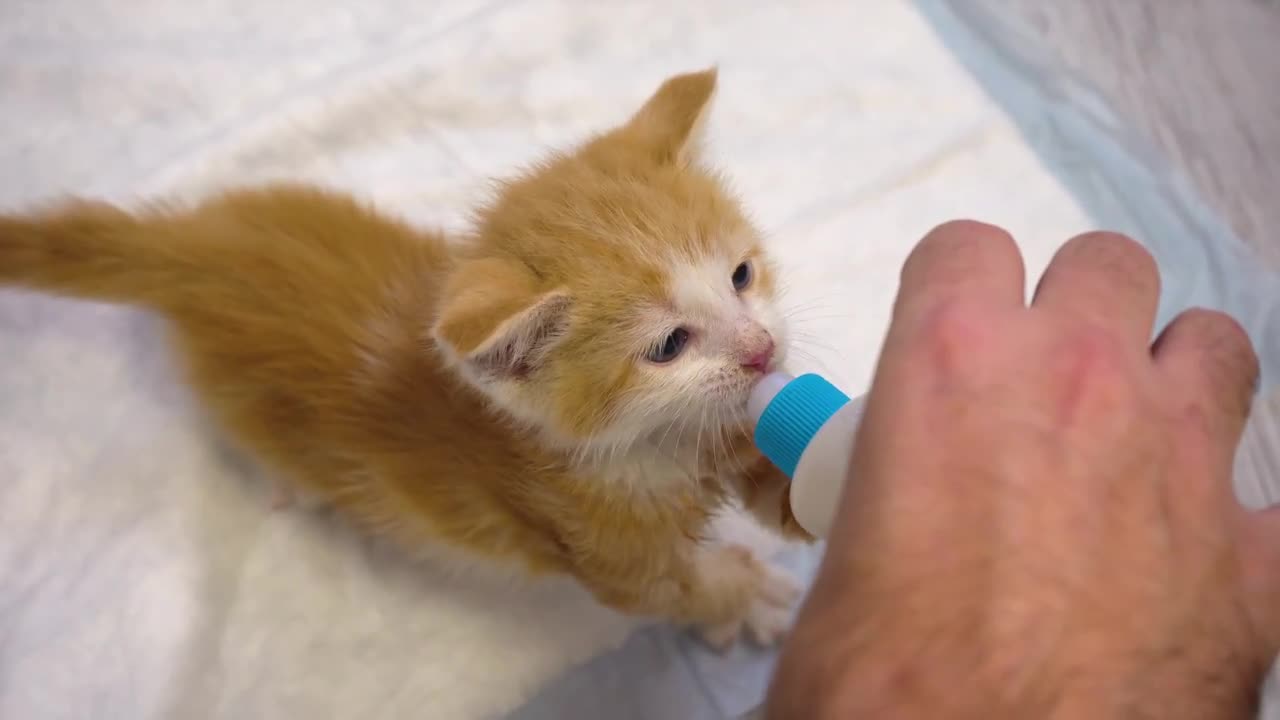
[(768, 615)]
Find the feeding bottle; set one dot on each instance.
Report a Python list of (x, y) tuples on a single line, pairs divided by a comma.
[(806, 427)]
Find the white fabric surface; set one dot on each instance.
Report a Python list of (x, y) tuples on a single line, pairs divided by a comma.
[(142, 577)]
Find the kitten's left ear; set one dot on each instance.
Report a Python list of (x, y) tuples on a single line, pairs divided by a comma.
[(671, 121)]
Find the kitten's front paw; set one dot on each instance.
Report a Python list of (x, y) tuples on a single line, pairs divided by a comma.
[(768, 611)]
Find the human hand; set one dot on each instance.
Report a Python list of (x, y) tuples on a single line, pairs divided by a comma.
[(1040, 519)]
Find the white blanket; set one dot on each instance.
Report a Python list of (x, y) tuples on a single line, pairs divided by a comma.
[(142, 577)]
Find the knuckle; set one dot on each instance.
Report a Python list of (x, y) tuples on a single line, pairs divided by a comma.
[(953, 330), (969, 229), (965, 239), (1201, 319), (1226, 349), (1226, 331), (969, 237), (1113, 246), (1097, 348), (1096, 364), (1119, 255)]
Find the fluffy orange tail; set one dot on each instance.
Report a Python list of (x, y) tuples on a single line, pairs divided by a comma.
[(91, 251)]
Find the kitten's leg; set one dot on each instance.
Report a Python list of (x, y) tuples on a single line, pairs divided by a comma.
[(721, 590), (772, 594), (766, 493)]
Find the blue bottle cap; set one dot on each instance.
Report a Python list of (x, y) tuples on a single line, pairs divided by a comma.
[(793, 416)]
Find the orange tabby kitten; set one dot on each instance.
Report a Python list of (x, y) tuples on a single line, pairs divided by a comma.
[(562, 389)]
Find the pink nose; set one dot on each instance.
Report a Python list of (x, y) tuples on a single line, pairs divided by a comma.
[(761, 359)]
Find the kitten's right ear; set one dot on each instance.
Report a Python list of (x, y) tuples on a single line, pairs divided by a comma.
[(495, 323)]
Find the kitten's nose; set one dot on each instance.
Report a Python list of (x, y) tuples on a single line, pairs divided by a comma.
[(762, 359)]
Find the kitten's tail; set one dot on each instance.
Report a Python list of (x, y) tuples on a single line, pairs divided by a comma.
[(91, 251)]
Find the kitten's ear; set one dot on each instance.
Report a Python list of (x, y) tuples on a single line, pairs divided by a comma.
[(495, 323), (671, 121)]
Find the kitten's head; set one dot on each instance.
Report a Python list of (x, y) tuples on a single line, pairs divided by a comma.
[(617, 292)]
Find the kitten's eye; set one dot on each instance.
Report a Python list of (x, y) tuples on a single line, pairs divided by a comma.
[(742, 276), (671, 347)]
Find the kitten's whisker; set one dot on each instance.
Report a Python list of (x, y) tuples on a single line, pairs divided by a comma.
[(697, 450), (823, 302), (680, 436), (684, 408), (721, 438), (814, 360), (715, 439), (816, 304), (814, 343), (797, 319)]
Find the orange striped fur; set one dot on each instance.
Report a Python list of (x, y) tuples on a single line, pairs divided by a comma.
[(496, 393)]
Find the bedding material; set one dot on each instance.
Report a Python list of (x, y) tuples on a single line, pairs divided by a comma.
[(142, 574)]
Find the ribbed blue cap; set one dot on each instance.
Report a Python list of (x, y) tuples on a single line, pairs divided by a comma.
[(794, 416)]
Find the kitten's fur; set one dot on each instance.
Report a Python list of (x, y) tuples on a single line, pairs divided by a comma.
[(493, 394)]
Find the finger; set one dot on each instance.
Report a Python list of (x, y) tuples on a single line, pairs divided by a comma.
[(1106, 279), (962, 260), (1208, 359), (1261, 550)]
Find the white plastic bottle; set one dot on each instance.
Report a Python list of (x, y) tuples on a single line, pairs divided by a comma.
[(806, 427)]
